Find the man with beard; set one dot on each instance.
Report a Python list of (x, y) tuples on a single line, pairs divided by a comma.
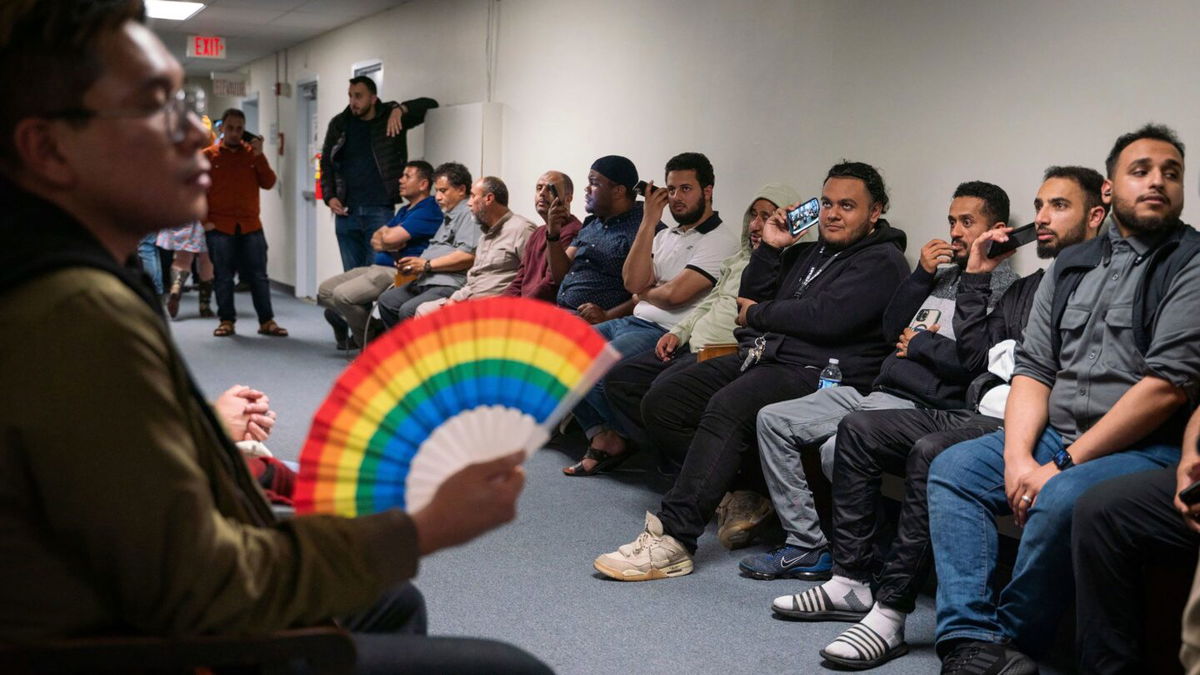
[(362, 160), (799, 304), (535, 279), (1069, 209), (668, 270), (1110, 356), (588, 268), (924, 371)]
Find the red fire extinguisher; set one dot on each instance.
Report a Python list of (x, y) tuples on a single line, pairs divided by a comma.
[(317, 190)]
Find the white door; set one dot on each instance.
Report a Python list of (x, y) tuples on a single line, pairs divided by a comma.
[(308, 135)]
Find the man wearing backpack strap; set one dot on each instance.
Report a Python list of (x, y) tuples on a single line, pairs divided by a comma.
[(1110, 357)]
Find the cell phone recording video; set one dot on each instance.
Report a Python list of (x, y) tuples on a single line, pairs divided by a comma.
[(804, 216), (1017, 238), (552, 189), (641, 186)]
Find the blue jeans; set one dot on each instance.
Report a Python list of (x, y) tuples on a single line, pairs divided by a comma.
[(354, 233), (151, 265), (245, 254), (630, 336), (966, 494)]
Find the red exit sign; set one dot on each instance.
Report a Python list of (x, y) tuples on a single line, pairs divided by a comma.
[(206, 47)]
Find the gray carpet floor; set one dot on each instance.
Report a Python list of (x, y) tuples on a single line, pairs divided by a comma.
[(531, 583)]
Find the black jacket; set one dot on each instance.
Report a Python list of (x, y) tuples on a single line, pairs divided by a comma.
[(976, 330), (931, 373), (838, 315), (391, 153)]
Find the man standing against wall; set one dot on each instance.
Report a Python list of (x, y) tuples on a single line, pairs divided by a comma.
[(234, 232), (361, 162)]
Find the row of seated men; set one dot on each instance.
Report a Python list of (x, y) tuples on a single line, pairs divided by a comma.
[(993, 395)]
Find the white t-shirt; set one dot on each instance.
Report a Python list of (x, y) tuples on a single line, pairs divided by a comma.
[(701, 248)]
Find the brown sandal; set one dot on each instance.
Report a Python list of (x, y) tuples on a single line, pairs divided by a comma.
[(273, 329), (223, 329)]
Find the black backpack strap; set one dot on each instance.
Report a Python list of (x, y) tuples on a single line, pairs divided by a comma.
[(1167, 262), (1069, 268)]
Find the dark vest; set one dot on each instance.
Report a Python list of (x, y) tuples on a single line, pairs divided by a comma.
[(1163, 263)]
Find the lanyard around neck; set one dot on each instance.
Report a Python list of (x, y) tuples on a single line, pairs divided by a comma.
[(814, 271)]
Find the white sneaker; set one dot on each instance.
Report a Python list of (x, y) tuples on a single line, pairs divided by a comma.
[(653, 555)]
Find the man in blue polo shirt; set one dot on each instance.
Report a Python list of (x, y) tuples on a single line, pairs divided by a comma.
[(347, 297), (588, 271)]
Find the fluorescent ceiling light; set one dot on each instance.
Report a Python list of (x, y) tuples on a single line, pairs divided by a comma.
[(172, 10)]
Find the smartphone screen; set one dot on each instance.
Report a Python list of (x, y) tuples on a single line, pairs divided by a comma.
[(925, 318), (1018, 237), (804, 216)]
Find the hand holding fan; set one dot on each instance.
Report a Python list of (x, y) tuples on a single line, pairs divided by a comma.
[(468, 383)]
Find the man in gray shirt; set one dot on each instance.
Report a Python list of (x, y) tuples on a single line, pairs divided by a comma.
[(1110, 357), (442, 268)]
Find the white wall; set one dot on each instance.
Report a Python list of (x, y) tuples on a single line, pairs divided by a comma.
[(933, 92)]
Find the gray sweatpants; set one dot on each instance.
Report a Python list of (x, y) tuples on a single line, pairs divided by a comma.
[(785, 429)]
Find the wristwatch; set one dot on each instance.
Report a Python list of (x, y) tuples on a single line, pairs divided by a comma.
[(1062, 459), (553, 237), (428, 267)]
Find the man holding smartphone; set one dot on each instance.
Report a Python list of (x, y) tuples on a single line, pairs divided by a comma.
[(922, 370), (535, 278), (1109, 358), (234, 233)]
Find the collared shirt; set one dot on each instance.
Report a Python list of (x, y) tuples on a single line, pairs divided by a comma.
[(497, 258), (701, 248), (421, 220), (600, 251), (237, 175), (459, 232), (533, 278), (1098, 361)]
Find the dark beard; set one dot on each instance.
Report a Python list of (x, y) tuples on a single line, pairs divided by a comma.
[(1125, 216), (690, 217), (1051, 249)]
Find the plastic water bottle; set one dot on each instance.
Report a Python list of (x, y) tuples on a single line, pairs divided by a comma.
[(831, 376)]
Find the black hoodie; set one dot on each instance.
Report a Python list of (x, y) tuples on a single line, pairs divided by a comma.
[(839, 315)]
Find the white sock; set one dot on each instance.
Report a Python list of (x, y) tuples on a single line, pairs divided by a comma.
[(844, 594), (847, 593), (885, 622)]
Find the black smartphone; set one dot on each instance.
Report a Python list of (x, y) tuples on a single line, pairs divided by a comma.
[(1190, 495), (552, 190), (641, 186), (804, 216), (249, 137), (1018, 237)]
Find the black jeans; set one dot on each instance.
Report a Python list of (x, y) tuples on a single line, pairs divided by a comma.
[(1118, 527), (902, 442), (390, 638), (703, 417), (245, 254), (626, 385)]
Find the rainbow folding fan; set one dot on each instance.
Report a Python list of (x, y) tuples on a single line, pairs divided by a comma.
[(468, 383)]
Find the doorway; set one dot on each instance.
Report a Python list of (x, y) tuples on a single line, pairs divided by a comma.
[(305, 164)]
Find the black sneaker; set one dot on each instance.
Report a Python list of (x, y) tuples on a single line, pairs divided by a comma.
[(987, 658), (341, 330)]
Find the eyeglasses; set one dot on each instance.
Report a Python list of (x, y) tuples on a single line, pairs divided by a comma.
[(183, 108)]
